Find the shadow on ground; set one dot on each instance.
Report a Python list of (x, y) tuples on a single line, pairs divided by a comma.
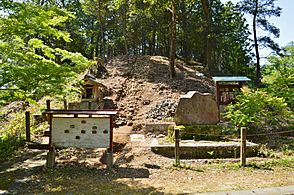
[(73, 179)]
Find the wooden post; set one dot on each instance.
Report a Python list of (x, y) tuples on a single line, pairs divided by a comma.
[(51, 154), (65, 104), (28, 126), (48, 104), (50, 161), (109, 154), (177, 146), (89, 105), (243, 146)]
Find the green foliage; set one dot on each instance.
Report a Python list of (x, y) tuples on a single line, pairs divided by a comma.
[(13, 136), (261, 11), (104, 28), (287, 149), (264, 151), (279, 75), (257, 109), (268, 165), (30, 61)]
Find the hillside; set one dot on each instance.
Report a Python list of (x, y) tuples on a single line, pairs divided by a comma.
[(142, 90)]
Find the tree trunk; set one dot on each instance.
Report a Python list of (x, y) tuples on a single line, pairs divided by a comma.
[(91, 54), (258, 73), (101, 33), (173, 40), (208, 47), (153, 42), (125, 27), (186, 41)]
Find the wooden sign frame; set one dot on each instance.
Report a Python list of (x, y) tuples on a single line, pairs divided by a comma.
[(79, 116)]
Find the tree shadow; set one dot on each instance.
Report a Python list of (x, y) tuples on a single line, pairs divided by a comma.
[(76, 178), (20, 159)]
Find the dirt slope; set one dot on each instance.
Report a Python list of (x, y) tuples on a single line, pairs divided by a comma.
[(143, 91)]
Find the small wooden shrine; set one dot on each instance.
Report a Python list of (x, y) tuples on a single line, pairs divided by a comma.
[(226, 86)]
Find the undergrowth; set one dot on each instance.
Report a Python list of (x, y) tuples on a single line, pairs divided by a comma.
[(13, 136)]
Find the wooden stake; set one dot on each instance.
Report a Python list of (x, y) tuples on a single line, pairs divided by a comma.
[(177, 147), (89, 105), (65, 104), (48, 104), (109, 154), (50, 158), (243, 146), (28, 126), (51, 154)]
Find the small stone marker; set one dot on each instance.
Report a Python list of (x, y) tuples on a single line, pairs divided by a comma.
[(137, 138)]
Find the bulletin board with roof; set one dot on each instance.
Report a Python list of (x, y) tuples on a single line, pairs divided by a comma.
[(226, 86)]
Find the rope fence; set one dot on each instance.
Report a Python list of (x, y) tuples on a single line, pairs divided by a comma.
[(213, 135)]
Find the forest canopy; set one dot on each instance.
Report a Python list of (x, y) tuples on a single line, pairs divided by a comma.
[(46, 43)]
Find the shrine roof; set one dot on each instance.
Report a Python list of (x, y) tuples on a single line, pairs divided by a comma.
[(230, 79)]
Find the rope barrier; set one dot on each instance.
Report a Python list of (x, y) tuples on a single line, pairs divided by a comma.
[(212, 135), (273, 133)]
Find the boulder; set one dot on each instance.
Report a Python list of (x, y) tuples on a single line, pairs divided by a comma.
[(196, 108)]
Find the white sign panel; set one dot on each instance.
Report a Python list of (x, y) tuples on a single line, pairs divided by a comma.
[(81, 132)]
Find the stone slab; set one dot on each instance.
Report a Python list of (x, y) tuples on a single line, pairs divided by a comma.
[(158, 128), (197, 108), (190, 149)]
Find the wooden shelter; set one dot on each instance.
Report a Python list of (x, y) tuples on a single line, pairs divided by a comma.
[(93, 90), (226, 86)]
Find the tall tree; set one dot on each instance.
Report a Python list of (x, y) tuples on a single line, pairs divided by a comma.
[(208, 48), (204, 31), (173, 32), (232, 43), (262, 10)]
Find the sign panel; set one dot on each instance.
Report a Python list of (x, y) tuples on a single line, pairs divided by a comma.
[(81, 132)]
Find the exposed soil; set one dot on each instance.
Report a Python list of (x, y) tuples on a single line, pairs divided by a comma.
[(138, 84)]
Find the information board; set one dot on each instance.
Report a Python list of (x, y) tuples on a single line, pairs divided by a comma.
[(81, 132)]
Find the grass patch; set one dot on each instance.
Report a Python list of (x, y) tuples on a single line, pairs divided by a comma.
[(184, 166)]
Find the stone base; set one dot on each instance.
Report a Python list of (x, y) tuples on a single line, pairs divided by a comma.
[(158, 128), (190, 149)]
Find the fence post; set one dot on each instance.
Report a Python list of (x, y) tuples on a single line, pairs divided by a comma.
[(48, 104), (28, 126), (65, 104), (109, 151), (89, 105), (243, 146), (177, 146)]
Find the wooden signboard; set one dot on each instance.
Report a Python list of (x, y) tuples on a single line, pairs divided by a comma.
[(81, 132), (80, 129)]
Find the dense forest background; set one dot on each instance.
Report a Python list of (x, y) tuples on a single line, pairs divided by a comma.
[(47, 42)]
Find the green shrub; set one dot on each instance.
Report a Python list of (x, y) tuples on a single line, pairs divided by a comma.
[(13, 136), (257, 109), (279, 75)]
